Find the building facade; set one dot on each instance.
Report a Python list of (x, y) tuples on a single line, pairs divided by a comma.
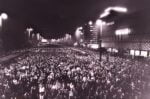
[(137, 41)]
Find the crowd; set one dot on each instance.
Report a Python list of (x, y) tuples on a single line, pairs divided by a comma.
[(64, 73)]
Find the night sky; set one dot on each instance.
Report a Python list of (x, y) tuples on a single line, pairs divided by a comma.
[(54, 18)]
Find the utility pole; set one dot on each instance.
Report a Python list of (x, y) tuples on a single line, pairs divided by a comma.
[(100, 31)]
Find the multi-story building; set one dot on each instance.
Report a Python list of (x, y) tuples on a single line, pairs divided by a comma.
[(136, 41), (90, 34)]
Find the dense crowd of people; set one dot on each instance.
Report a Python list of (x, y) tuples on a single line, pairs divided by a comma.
[(65, 73)]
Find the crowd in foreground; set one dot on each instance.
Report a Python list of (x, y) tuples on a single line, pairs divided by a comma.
[(64, 73)]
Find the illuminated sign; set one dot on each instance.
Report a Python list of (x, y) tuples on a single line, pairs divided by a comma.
[(124, 31)]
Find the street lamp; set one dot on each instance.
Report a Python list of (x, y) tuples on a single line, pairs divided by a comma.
[(29, 31), (0, 21), (4, 16), (90, 22), (100, 23)]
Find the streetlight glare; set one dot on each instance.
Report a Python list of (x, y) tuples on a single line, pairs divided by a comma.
[(4, 16), (103, 23), (106, 13), (90, 22), (98, 22), (80, 28), (0, 21), (29, 29)]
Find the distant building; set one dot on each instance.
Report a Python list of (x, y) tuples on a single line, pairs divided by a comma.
[(33, 38), (137, 42), (90, 34)]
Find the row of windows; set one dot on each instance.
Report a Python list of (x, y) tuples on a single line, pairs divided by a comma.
[(131, 52), (139, 53), (112, 50)]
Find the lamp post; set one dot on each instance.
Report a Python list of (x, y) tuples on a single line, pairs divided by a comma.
[(29, 31), (3, 16), (100, 23)]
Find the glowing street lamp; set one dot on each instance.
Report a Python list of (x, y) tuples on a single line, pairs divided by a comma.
[(90, 22), (4, 16), (100, 23), (29, 31), (80, 28)]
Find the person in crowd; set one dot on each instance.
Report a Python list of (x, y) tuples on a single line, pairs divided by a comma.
[(64, 73)]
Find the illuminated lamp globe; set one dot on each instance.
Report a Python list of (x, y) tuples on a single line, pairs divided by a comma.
[(99, 22), (90, 22), (4, 16)]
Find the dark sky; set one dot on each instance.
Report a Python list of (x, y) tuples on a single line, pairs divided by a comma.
[(54, 18)]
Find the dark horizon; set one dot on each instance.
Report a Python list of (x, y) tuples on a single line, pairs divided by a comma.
[(56, 18)]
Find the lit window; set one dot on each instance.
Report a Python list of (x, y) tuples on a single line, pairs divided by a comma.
[(137, 53), (94, 46), (109, 49), (44, 40), (114, 50), (131, 52), (75, 44), (124, 31), (144, 53)]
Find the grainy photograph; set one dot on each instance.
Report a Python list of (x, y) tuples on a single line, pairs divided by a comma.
[(74, 49)]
